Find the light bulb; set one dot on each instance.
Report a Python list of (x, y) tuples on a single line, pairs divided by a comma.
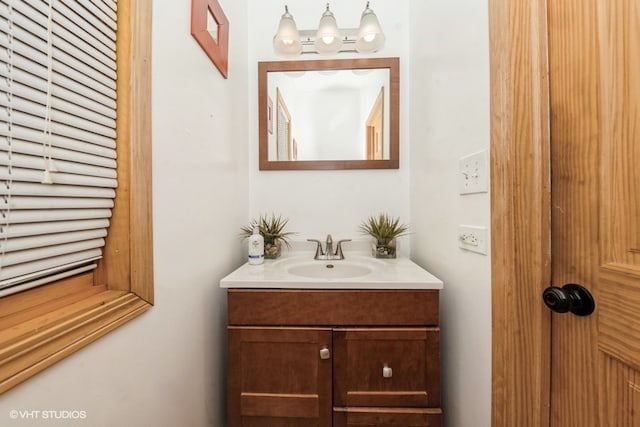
[(328, 39)]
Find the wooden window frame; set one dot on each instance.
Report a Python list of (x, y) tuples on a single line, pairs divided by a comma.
[(41, 326)]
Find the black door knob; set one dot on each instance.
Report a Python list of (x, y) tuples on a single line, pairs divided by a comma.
[(571, 297)]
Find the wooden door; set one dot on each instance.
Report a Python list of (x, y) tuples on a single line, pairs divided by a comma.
[(375, 129), (284, 138), (572, 65), (279, 377), (594, 80)]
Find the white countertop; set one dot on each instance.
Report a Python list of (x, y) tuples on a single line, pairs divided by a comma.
[(359, 270)]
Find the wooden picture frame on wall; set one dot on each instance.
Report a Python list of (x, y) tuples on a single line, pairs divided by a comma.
[(210, 28)]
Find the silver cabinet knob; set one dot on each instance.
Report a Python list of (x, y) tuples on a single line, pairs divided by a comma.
[(325, 353), (387, 372)]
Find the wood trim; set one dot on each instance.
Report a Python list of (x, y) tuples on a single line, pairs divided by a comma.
[(42, 326), (279, 405), (15, 309), (520, 210), (140, 197), (116, 251), (128, 256), (73, 328)]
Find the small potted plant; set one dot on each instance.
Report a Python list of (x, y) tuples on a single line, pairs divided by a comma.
[(272, 229), (384, 229)]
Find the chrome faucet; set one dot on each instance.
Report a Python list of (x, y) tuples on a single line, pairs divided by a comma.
[(328, 253), (328, 245)]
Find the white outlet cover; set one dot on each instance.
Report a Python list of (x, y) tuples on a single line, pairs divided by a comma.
[(474, 173), (473, 238)]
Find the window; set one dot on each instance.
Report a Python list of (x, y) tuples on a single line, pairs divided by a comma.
[(57, 139), (42, 325)]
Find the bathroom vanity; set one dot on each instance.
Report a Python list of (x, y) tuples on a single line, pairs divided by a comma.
[(333, 343)]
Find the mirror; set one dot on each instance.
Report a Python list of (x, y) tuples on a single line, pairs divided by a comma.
[(329, 114)]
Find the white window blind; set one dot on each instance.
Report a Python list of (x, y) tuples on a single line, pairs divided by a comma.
[(57, 137)]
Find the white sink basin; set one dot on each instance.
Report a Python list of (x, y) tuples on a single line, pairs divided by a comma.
[(354, 272), (338, 269), (330, 270)]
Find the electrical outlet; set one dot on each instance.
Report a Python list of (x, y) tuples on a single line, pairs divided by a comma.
[(473, 238), (474, 173), (469, 239)]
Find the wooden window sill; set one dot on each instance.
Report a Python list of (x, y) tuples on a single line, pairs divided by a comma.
[(36, 335)]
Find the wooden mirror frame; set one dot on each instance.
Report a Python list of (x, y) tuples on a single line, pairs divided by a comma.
[(393, 64)]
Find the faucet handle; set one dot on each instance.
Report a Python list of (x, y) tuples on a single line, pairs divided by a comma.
[(319, 251), (339, 253)]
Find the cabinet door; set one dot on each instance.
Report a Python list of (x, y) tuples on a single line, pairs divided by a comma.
[(390, 367), (279, 377), (379, 417)]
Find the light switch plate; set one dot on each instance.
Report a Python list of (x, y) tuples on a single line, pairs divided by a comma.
[(474, 173)]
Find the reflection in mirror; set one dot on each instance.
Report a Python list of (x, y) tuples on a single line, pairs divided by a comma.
[(329, 114), (337, 115), (283, 144)]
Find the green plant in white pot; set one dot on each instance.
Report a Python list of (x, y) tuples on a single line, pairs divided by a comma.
[(272, 229), (385, 230)]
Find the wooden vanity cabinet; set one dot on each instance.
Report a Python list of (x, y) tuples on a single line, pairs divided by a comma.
[(305, 358)]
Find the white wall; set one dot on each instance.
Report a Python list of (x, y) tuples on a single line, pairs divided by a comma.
[(166, 368), (178, 376), (320, 202), (450, 119)]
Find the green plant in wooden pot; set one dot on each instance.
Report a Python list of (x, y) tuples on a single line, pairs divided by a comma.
[(272, 229), (385, 230)]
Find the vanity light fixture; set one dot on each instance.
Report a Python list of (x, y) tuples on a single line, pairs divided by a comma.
[(370, 36), (287, 39), (328, 38)]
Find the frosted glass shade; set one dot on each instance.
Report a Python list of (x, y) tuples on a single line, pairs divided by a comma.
[(370, 36), (287, 39), (328, 37)]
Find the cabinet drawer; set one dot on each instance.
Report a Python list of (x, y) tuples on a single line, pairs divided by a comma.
[(380, 417), (290, 307), (386, 367)]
